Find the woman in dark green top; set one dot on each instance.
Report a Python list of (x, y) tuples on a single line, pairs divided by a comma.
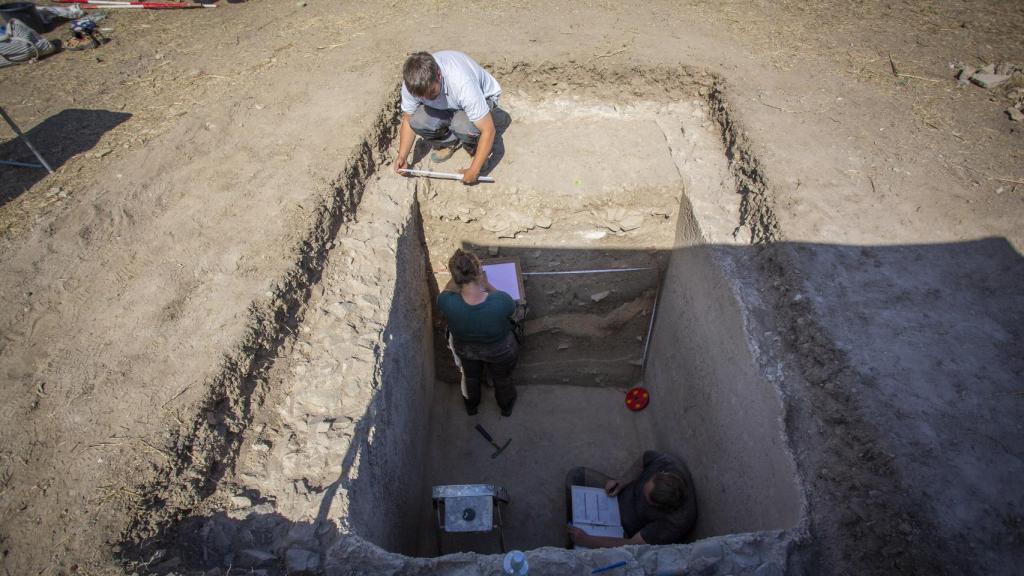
[(480, 322)]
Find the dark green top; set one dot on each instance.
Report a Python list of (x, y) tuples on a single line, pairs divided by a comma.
[(484, 323)]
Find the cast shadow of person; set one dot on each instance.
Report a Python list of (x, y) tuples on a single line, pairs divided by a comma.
[(502, 121)]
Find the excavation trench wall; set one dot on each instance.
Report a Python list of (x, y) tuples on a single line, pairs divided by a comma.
[(713, 404), (386, 492), (332, 473), (204, 450)]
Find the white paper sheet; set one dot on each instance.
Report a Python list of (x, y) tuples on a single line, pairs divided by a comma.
[(595, 512), (503, 277), (593, 506)]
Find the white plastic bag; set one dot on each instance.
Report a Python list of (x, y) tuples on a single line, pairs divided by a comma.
[(50, 13)]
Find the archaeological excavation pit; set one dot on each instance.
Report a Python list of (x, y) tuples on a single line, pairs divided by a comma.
[(595, 180), (597, 171)]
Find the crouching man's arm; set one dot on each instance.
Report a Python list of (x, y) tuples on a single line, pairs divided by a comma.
[(406, 137), (483, 149)]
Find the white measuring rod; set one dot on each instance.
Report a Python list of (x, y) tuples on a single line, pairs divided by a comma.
[(444, 175)]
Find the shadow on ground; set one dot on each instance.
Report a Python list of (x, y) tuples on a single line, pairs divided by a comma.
[(58, 139), (960, 303)]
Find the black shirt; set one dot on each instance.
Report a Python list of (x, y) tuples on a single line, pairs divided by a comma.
[(657, 526)]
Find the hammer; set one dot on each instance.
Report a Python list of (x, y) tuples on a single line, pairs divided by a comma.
[(497, 449)]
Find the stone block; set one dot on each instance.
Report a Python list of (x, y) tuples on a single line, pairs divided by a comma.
[(264, 508), (768, 569), (301, 561), (745, 562), (989, 80), (710, 549), (302, 535), (254, 558)]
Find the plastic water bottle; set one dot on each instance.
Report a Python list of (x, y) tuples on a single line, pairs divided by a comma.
[(515, 564)]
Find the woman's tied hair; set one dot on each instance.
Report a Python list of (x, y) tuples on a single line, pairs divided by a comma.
[(464, 266), (420, 73)]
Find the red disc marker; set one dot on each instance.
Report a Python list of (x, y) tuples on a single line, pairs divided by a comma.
[(637, 398)]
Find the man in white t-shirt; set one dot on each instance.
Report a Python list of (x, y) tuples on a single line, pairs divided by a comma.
[(447, 100)]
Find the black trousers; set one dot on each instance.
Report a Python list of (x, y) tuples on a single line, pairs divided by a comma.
[(495, 360)]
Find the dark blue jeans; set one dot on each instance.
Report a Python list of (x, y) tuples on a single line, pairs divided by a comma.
[(444, 128)]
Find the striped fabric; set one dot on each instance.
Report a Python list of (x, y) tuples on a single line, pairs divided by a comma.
[(19, 43)]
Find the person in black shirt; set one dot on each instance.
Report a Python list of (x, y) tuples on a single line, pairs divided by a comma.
[(659, 506)]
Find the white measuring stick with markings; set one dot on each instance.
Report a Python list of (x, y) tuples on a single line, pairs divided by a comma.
[(444, 175)]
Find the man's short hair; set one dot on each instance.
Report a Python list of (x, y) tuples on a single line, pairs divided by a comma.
[(669, 491), (420, 74)]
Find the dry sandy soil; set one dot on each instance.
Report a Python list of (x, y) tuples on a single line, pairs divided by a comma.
[(203, 158)]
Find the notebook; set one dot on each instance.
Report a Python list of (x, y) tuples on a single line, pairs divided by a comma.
[(595, 512)]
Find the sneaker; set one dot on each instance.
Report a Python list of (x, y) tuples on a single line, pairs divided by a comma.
[(443, 154), (472, 410)]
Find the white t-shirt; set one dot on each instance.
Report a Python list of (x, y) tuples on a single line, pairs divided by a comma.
[(464, 86)]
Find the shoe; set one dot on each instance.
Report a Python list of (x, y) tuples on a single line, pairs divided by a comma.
[(472, 410), (81, 42), (506, 411), (443, 154)]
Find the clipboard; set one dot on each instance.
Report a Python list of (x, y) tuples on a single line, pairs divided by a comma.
[(506, 275)]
